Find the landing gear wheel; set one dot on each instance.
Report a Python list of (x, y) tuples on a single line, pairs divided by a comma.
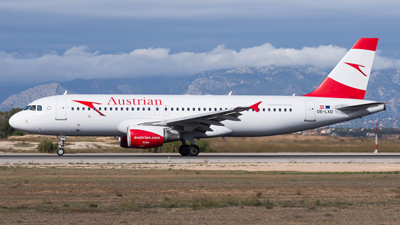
[(60, 152), (194, 150), (184, 150)]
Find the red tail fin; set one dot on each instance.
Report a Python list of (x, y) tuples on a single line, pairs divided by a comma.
[(349, 79)]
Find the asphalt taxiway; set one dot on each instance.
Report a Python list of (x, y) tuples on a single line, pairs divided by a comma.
[(15, 158)]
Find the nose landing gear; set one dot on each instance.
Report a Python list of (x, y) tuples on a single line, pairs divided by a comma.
[(60, 151)]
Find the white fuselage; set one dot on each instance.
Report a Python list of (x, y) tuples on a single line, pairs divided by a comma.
[(277, 115)]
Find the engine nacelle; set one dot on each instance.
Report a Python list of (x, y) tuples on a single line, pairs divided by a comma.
[(148, 137)]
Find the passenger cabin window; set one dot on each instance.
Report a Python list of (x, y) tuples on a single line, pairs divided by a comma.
[(27, 107), (77, 108), (83, 108), (72, 108)]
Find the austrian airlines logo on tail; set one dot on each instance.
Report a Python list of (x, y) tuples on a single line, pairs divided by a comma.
[(357, 67)]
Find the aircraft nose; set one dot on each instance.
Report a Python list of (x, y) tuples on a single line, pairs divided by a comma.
[(15, 121)]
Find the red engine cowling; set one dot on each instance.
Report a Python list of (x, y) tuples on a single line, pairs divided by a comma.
[(147, 137)]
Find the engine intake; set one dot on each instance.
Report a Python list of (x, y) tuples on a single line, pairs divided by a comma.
[(148, 137)]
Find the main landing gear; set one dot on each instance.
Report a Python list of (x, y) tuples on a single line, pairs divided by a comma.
[(60, 151), (188, 150)]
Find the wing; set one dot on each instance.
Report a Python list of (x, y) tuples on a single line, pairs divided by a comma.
[(202, 122)]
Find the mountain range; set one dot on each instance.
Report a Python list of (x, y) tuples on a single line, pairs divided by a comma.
[(384, 85)]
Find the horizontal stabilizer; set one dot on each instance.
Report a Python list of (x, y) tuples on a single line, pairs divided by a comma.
[(361, 106)]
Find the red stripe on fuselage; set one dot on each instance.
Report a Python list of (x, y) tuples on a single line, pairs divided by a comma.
[(330, 88), (366, 44)]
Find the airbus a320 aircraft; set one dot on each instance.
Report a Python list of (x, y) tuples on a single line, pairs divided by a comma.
[(147, 121)]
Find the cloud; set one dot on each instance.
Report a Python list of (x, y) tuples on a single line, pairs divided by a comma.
[(79, 62)]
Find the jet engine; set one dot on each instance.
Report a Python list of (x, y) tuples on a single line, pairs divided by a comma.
[(148, 136)]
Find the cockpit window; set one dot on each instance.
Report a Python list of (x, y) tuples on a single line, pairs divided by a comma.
[(33, 108), (26, 108), (39, 108)]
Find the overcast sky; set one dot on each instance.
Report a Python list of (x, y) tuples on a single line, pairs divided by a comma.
[(43, 40)]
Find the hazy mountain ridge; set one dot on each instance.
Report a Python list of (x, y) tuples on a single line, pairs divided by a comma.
[(20, 100), (384, 85), (268, 80)]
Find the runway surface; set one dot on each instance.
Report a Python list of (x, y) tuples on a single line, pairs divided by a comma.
[(13, 158)]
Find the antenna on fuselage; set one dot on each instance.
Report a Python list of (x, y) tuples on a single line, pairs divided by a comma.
[(230, 93), (65, 93)]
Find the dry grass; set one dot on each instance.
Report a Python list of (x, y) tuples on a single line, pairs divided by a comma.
[(299, 143), (281, 143), (38, 138), (133, 196)]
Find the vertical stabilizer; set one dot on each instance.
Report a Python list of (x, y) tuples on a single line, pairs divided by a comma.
[(349, 79)]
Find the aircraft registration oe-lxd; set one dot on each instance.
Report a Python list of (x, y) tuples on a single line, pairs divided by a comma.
[(148, 121)]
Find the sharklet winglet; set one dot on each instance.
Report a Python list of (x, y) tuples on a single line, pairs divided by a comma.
[(255, 106)]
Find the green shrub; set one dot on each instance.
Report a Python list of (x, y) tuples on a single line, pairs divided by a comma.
[(46, 146), (18, 133), (204, 146), (5, 128)]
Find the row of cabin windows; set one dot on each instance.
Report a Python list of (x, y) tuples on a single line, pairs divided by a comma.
[(33, 107), (172, 109)]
